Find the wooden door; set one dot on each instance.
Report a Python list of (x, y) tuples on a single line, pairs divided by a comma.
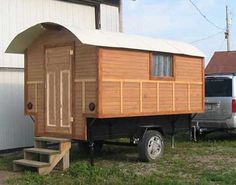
[(58, 90)]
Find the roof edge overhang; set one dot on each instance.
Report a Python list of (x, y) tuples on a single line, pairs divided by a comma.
[(95, 2), (103, 39), (25, 38)]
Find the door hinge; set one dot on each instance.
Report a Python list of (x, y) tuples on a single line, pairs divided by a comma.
[(71, 52), (71, 119)]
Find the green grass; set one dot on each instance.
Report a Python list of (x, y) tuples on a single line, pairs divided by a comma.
[(210, 161), (6, 160)]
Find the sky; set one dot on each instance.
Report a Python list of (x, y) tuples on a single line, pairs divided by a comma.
[(179, 20)]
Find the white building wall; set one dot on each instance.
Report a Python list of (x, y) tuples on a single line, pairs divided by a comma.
[(109, 18), (17, 15), (16, 130)]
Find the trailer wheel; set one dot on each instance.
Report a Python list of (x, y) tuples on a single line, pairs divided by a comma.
[(151, 146)]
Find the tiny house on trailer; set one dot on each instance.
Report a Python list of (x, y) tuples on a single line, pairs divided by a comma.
[(92, 85)]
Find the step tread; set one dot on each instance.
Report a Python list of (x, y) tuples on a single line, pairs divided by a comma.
[(42, 151), (52, 139), (31, 163)]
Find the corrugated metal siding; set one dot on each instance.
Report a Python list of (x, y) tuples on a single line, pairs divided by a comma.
[(109, 18), (17, 15), (16, 130)]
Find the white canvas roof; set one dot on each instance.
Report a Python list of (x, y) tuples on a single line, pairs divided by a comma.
[(107, 39)]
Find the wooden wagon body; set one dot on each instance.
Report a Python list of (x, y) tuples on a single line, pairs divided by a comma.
[(73, 75)]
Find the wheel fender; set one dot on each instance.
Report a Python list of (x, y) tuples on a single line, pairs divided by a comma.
[(143, 129)]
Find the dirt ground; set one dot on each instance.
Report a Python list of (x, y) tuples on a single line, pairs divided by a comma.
[(4, 175)]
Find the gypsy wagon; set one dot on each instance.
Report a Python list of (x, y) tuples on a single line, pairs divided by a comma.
[(91, 85)]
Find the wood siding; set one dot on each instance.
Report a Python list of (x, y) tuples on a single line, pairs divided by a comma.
[(85, 89), (84, 85), (125, 65), (127, 89)]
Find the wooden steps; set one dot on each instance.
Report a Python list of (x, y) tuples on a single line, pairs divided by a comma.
[(52, 139), (48, 153), (42, 151), (31, 163)]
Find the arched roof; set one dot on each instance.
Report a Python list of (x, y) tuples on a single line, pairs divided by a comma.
[(106, 39)]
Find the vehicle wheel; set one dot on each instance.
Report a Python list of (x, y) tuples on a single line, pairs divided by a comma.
[(84, 146), (151, 146)]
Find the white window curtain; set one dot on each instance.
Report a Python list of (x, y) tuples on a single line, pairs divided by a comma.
[(163, 65)]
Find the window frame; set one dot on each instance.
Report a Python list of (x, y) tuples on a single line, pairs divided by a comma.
[(151, 66)]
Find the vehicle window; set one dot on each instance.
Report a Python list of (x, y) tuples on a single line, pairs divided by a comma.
[(218, 87)]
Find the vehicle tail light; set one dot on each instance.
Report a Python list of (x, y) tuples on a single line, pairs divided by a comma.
[(234, 106)]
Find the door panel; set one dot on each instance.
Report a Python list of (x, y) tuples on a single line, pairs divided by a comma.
[(51, 99), (58, 90), (65, 101)]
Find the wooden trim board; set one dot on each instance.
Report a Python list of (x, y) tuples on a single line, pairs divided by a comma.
[(150, 81)]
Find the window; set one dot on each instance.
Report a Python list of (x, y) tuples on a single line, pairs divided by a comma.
[(218, 87), (162, 65)]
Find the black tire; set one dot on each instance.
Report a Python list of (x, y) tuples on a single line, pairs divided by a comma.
[(84, 147), (152, 140)]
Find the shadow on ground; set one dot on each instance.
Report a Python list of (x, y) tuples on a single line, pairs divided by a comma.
[(220, 136)]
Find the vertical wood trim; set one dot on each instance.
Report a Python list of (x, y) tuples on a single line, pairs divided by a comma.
[(174, 67), (62, 96), (85, 128), (25, 82), (158, 96), (203, 84), (36, 97), (45, 90), (100, 81), (83, 96), (72, 76), (55, 99), (189, 97), (141, 96), (47, 99), (46, 104), (121, 97), (173, 95), (150, 65)]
